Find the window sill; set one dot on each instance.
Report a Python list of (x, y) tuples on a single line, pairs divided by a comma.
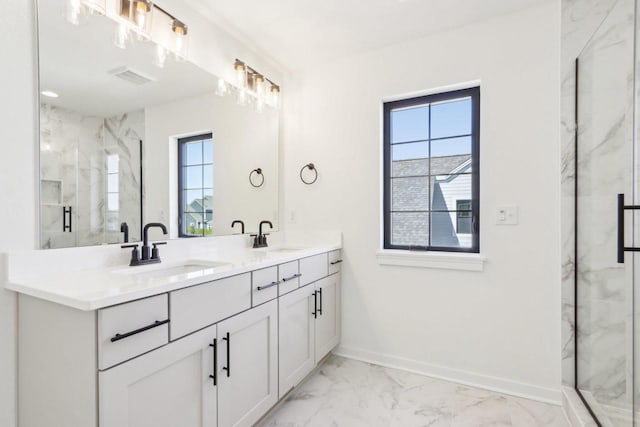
[(444, 260)]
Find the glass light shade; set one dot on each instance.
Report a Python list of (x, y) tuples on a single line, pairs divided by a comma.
[(259, 85), (222, 89), (179, 34), (242, 97), (274, 94), (74, 11), (139, 14), (122, 37), (241, 75), (161, 57)]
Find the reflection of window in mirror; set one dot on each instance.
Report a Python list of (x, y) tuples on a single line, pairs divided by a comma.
[(113, 191), (195, 185)]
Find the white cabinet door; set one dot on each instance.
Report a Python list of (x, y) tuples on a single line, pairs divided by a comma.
[(328, 320), (168, 387), (248, 368), (296, 337)]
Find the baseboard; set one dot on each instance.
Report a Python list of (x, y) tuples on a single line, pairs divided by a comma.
[(497, 384)]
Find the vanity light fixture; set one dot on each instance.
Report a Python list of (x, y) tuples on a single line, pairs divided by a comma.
[(143, 10), (49, 94), (252, 85), (135, 15)]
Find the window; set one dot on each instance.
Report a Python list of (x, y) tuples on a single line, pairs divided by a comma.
[(431, 172), (195, 185)]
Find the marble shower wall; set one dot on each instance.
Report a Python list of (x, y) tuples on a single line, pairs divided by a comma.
[(75, 150), (605, 153), (580, 20)]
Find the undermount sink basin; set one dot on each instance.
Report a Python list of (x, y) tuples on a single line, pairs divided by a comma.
[(156, 271)]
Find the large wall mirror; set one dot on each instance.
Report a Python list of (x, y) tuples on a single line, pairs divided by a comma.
[(128, 136)]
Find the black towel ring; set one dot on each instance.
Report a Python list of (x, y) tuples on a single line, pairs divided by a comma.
[(259, 173), (311, 167)]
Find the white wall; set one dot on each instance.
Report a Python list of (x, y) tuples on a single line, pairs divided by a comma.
[(210, 47), (18, 224), (501, 327)]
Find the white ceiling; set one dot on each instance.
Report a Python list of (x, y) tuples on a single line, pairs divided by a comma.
[(300, 33)]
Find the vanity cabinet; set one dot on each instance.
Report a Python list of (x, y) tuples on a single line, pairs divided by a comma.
[(167, 387), (248, 366), (217, 354), (309, 329), (296, 337)]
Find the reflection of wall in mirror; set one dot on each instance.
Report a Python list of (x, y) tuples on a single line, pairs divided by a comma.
[(243, 140), (75, 149)]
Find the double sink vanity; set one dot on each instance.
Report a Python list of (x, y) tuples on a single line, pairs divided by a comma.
[(216, 338)]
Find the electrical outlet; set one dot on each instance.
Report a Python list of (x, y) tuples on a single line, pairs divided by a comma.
[(507, 215)]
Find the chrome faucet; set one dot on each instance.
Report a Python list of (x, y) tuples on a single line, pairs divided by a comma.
[(149, 255)]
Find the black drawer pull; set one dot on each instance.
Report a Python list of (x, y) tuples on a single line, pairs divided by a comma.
[(315, 305), (338, 261), (228, 367), (214, 377), (270, 285), (295, 276), (157, 323)]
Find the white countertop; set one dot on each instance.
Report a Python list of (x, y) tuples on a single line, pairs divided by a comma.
[(102, 287)]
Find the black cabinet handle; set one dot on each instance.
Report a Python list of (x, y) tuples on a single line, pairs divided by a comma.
[(315, 305), (228, 367), (336, 262), (270, 285), (214, 377), (295, 276), (155, 324), (320, 293), (621, 248)]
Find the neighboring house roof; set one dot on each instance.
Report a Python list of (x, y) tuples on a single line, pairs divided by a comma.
[(439, 166)]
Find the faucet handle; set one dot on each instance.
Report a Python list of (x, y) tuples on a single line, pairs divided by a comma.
[(135, 256), (155, 253)]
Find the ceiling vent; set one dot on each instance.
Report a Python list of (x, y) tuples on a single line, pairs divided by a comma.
[(131, 76)]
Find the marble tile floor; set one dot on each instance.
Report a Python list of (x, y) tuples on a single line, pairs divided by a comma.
[(348, 393)]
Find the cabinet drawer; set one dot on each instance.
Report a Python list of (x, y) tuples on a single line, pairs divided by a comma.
[(313, 268), (264, 285), (128, 330), (289, 277), (335, 261), (203, 305)]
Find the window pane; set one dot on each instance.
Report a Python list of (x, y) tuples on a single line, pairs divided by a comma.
[(416, 150), (410, 194), (192, 153), (193, 177), (410, 229), (208, 198), (448, 189), (207, 178), (463, 223), (451, 147), (411, 124), (451, 118), (193, 201), (208, 151), (113, 202), (192, 223), (444, 233), (410, 167), (113, 161), (463, 205), (450, 165), (112, 183)]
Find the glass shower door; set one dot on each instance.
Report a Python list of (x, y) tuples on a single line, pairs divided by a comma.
[(604, 169)]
